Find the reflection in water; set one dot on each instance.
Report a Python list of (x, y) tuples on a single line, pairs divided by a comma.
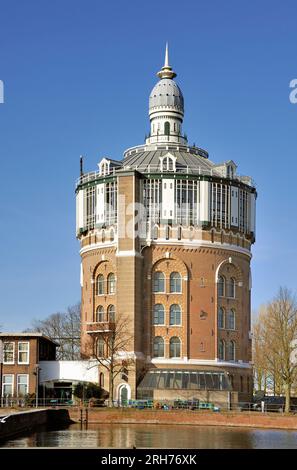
[(157, 436)]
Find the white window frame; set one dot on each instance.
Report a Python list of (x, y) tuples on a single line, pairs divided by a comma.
[(13, 352), (101, 276), (153, 348), (164, 314), (111, 284), (174, 281), (231, 312), (102, 344), (180, 348), (163, 280), (17, 383), (180, 312), (3, 384), (224, 318), (28, 352)]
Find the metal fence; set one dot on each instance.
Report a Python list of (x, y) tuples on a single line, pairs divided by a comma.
[(166, 405)]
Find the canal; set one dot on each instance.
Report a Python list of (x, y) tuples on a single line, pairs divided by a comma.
[(156, 436)]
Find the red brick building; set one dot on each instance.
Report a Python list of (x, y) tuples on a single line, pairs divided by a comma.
[(166, 237), (21, 355)]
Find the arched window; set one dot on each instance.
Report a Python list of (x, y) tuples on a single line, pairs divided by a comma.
[(167, 163), (222, 349), (232, 351), (111, 235), (175, 315), (174, 347), (231, 288), (155, 232), (167, 128), (100, 347), (159, 282), (111, 284), (221, 286), (100, 314), (103, 236), (101, 380), (221, 318), (231, 320), (159, 314), (175, 282), (100, 284), (170, 166), (111, 313), (158, 347)]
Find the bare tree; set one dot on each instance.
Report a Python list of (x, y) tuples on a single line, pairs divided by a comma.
[(278, 339), (259, 357), (64, 328), (110, 346)]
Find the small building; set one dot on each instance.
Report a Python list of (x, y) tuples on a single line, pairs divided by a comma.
[(58, 379), (20, 362)]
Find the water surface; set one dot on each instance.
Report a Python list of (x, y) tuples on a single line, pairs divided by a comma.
[(157, 436)]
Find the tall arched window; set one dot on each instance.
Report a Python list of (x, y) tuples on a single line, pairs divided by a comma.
[(159, 314), (167, 234), (222, 349), (231, 320), (100, 314), (167, 128), (221, 318), (158, 347), (111, 234), (174, 347), (101, 380), (159, 282), (155, 232), (231, 288), (111, 313), (175, 315), (221, 286), (100, 347), (175, 282), (103, 236), (232, 351), (111, 283), (100, 284)]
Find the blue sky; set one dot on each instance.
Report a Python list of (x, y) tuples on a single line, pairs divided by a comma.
[(77, 76)]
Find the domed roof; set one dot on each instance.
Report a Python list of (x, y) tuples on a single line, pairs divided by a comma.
[(168, 94)]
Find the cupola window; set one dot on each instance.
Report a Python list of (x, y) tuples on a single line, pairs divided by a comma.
[(167, 128)]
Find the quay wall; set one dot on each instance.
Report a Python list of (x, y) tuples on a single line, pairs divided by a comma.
[(12, 424), (188, 417)]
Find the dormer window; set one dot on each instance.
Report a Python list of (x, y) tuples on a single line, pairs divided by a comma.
[(230, 172), (167, 163), (104, 167)]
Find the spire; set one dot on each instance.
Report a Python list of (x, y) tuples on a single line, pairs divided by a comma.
[(166, 63), (166, 71)]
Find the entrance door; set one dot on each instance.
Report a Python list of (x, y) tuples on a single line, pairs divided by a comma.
[(124, 396)]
